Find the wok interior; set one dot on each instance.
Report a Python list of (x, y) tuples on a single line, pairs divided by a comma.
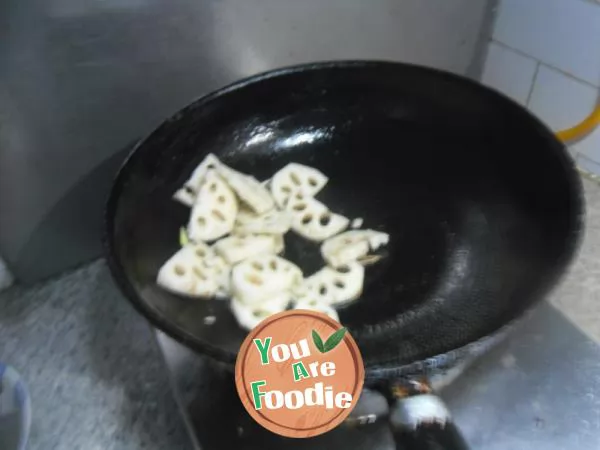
[(480, 201)]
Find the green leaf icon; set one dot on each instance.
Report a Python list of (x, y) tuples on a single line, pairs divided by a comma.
[(318, 341), (334, 340), (331, 343)]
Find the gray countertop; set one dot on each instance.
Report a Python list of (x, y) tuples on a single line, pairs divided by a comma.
[(98, 380), (96, 377)]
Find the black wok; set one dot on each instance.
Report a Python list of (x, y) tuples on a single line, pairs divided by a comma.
[(482, 202)]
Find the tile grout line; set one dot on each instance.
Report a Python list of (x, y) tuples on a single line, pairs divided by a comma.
[(567, 74), (588, 172), (538, 64), (533, 80)]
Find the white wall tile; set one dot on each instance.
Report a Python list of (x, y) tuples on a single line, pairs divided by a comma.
[(588, 165), (509, 72), (559, 100), (589, 147), (561, 33)]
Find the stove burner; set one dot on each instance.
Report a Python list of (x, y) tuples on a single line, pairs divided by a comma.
[(524, 370)]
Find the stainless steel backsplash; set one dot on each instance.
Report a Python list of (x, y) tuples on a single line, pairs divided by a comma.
[(82, 79)]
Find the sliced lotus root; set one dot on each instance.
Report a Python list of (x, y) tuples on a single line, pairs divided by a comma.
[(248, 316), (213, 214), (188, 193), (312, 220), (296, 178), (272, 222), (238, 247), (263, 276), (334, 286), (193, 271), (313, 304), (279, 243), (221, 271), (357, 223), (248, 189), (351, 246)]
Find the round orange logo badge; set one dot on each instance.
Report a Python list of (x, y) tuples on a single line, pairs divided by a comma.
[(299, 373)]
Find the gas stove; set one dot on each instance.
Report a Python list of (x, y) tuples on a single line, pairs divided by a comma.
[(540, 388)]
